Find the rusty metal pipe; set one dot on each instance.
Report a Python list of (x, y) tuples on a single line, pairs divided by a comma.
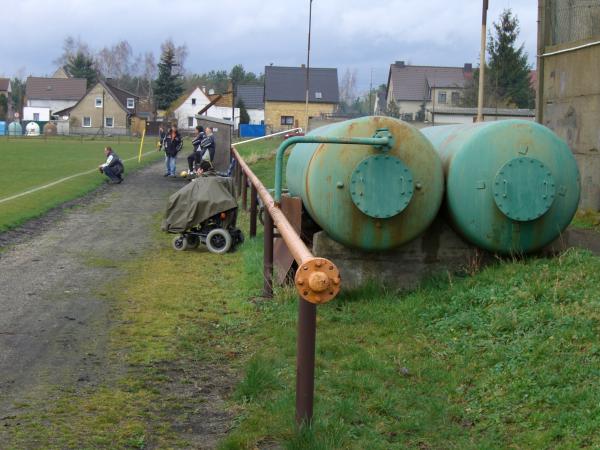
[(317, 279), (268, 257)]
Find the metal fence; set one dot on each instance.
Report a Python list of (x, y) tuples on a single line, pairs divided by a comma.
[(571, 20)]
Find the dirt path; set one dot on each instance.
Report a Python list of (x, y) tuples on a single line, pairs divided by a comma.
[(54, 321)]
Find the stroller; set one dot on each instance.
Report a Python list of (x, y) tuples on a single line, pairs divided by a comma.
[(204, 211)]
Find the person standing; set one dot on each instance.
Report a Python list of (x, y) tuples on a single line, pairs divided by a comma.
[(208, 146), (113, 167), (194, 157), (161, 137), (172, 144)]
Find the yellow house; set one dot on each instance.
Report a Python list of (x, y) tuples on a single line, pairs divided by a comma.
[(285, 95)]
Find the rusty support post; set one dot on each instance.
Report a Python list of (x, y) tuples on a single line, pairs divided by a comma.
[(238, 182), (244, 192), (253, 210), (268, 256), (305, 361)]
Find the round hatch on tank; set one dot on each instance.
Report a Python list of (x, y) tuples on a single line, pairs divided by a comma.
[(524, 189), (381, 186)]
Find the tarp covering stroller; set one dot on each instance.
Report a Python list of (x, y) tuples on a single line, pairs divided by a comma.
[(198, 201), (204, 211)]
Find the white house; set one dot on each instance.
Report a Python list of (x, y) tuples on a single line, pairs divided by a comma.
[(197, 101), (55, 94), (187, 106)]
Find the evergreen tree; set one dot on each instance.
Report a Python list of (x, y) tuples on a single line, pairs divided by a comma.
[(17, 95), (393, 110), (82, 66), (508, 73), (3, 107), (168, 86), (244, 116), (507, 80)]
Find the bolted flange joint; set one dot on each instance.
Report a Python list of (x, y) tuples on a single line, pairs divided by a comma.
[(318, 280)]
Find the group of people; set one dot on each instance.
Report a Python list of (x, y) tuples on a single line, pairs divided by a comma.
[(199, 161), (203, 145)]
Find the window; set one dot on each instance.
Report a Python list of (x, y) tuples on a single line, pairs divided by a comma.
[(36, 116), (98, 102), (455, 98), (318, 95), (287, 120), (130, 103), (190, 122), (87, 122), (193, 102), (108, 122), (441, 97)]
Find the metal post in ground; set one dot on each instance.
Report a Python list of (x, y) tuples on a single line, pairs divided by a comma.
[(244, 192), (239, 182), (305, 361), (253, 210), (268, 256)]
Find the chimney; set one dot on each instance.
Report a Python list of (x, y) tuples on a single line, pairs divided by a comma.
[(468, 67), (203, 88), (399, 64)]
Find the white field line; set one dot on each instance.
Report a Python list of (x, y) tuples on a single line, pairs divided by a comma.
[(62, 180)]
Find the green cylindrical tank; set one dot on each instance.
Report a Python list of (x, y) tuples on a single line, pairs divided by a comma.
[(15, 129), (512, 186), (366, 197)]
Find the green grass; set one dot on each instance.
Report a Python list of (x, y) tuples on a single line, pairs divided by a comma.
[(506, 358), (587, 219), (29, 163)]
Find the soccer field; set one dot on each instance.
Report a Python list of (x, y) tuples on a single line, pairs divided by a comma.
[(30, 163)]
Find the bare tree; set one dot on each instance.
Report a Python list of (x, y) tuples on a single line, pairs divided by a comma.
[(71, 47), (348, 87), (116, 61)]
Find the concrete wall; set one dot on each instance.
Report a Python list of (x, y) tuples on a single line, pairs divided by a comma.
[(571, 107), (274, 111), (87, 108)]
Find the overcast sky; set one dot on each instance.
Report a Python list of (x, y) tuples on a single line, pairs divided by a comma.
[(355, 34)]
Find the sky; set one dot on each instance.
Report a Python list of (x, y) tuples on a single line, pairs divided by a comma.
[(362, 35)]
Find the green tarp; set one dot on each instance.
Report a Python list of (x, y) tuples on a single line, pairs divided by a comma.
[(201, 199)]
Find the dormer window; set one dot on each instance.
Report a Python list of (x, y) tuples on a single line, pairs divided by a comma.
[(98, 102), (318, 95), (130, 103)]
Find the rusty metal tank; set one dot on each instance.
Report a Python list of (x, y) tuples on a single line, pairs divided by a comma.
[(512, 186), (366, 197)]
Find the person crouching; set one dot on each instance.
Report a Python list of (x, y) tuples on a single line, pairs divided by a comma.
[(113, 167)]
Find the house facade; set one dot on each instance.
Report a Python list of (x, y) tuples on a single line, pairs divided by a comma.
[(196, 101), (105, 108), (253, 97), (55, 94), (417, 89), (285, 96)]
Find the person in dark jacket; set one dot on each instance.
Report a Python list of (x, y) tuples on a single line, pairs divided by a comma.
[(207, 146), (113, 167), (194, 157), (172, 144)]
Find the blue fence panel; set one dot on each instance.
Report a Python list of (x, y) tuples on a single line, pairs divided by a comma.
[(247, 130), (2, 128)]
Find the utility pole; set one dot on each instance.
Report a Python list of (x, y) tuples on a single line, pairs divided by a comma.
[(482, 61), (308, 60), (371, 94)]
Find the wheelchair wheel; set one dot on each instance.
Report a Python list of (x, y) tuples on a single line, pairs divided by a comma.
[(180, 243), (218, 241)]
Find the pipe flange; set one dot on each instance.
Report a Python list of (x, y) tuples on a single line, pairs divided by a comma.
[(318, 280)]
